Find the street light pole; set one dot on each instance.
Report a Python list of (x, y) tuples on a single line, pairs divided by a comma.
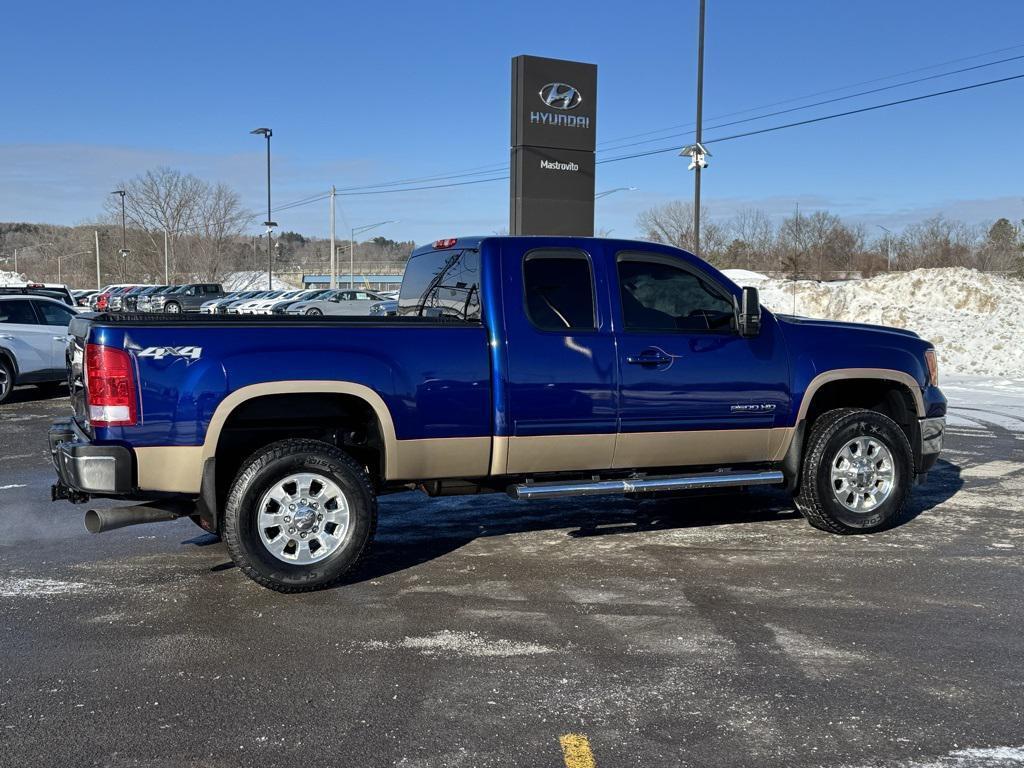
[(124, 234), (334, 262), (699, 137), (269, 223), (888, 245)]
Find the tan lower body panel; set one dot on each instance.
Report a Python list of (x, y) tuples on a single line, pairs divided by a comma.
[(441, 457), (552, 453), (173, 468), (712, 446)]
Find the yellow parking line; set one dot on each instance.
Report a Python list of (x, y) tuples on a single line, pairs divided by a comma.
[(576, 751)]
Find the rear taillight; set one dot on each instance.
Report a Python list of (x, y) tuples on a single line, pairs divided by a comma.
[(109, 386)]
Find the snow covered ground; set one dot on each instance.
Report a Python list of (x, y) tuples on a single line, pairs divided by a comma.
[(978, 401), (973, 318), (10, 277)]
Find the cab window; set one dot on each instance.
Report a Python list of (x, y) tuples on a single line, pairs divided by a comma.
[(659, 295), (559, 290), (442, 283)]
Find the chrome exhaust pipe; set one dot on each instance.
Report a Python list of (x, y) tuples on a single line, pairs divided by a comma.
[(110, 518)]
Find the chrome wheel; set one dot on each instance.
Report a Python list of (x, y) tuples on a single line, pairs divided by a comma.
[(313, 311), (303, 518), (862, 474), (172, 308)]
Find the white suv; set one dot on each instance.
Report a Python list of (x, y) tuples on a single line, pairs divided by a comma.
[(33, 338)]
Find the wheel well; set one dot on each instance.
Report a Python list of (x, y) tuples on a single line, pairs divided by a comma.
[(8, 358), (346, 421), (888, 397)]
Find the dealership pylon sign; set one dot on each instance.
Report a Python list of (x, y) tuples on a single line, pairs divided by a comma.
[(554, 129)]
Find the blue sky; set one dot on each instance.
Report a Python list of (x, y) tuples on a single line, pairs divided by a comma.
[(359, 93)]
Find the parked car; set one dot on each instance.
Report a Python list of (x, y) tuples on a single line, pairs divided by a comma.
[(83, 296), (33, 337), (262, 306), (225, 307), (127, 300), (100, 301), (212, 306), (242, 307), (544, 367), (387, 308), (185, 298), (139, 302), (281, 307), (56, 291), (339, 302)]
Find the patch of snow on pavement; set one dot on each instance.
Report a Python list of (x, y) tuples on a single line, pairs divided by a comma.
[(452, 643), (977, 401), (40, 587), (985, 757)]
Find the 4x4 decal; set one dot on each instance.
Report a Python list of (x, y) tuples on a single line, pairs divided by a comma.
[(188, 354)]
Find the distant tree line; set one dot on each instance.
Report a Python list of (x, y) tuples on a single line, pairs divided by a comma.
[(207, 235), (821, 245)]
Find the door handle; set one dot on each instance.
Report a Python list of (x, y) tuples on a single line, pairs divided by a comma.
[(59, 338), (657, 358)]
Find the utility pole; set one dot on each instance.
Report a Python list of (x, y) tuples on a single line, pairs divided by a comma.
[(334, 264), (166, 262), (269, 223), (352, 260), (96, 234), (889, 246), (16, 262), (698, 138)]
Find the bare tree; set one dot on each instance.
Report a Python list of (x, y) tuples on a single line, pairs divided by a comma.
[(672, 223)]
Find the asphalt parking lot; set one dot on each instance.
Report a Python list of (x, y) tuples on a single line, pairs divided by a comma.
[(704, 631)]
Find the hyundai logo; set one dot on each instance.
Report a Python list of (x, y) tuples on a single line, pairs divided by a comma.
[(560, 96)]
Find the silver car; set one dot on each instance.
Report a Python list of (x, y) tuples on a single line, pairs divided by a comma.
[(340, 302), (33, 338)]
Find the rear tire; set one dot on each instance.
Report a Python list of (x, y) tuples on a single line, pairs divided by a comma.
[(857, 472), (300, 515), (6, 380)]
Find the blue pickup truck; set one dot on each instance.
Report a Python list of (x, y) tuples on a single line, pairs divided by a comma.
[(541, 367)]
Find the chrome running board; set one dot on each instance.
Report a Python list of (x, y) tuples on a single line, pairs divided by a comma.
[(661, 484)]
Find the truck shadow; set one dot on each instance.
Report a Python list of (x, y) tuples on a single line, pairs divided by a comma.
[(414, 529)]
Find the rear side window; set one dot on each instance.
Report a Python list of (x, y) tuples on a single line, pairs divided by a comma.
[(54, 314), (19, 312), (442, 284), (658, 295), (559, 290)]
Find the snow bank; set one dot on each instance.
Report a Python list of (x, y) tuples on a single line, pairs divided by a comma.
[(253, 280), (973, 318), (10, 277)]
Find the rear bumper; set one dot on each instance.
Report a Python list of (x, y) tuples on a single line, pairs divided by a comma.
[(932, 432), (84, 468)]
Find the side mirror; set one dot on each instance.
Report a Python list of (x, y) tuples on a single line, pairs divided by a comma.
[(749, 319)]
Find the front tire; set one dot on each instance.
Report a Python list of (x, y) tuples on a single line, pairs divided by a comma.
[(172, 307), (313, 312), (300, 515), (857, 472)]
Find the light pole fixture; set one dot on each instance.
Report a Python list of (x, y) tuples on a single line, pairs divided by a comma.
[(124, 226), (269, 223), (352, 247)]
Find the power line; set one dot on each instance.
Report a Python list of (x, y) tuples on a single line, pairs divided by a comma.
[(675, 147), (833, 100), (493, 168), (818, 93)]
